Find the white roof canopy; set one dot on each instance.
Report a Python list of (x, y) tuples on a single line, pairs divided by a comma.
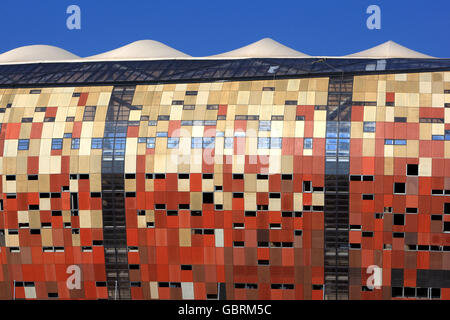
[(154, 50), (143, 49), (389, 49), (265, 48), (36, 53)]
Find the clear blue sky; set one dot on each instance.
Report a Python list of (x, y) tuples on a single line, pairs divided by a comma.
[(205, 27)]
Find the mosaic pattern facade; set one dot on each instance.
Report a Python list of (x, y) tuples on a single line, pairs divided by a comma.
[(219, 190)]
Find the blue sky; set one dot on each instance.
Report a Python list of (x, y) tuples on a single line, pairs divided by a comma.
[(205, 27)]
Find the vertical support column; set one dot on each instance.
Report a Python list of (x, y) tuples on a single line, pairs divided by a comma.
[(337, 167), (113, 194)]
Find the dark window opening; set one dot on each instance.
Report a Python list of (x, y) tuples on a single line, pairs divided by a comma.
[(412, 169), (399, 219), (399, 187)]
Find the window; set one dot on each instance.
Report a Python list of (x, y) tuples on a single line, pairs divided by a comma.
[(75, 143), (89, 113), (172, 143), (399, 187), (307, 186), (57, 144), (163, 118), (369, 126), (150, 143), (400, 142), (399, 219), (395, 142), (446, 226), (412, 169), (23, 144), (307, 143), (265, 125), (263, 143), (438, 137), (275, 143), (228, 143), (97, 143), (209, 142), (269, 143), (399, 119), (162, 134), (196, 143)]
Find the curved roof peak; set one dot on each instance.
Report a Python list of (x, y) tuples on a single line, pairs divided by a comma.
[(389, 49), (264, 48), (35, 53), (142, 49)]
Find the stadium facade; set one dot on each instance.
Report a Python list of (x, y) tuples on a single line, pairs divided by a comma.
[(262, 173)]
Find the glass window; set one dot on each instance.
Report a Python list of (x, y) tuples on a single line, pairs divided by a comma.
[(209, 142), (142, 140), (186, 122), (161, 134), (275, 143), (388, 141), (307, 143), (228, 143), (331, 146), (23, 144), (97, 143), (150, 143), (75, 143), (263, 143), (344, 130), (196, 143), (369, 126), (57, 144), (265, 125), (89, 113), (172, 143), (438, 137), (400, 142), (67, 135), (447, 134), (152, 123)]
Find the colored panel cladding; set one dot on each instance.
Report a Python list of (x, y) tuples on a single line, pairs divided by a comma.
[(151, 209)]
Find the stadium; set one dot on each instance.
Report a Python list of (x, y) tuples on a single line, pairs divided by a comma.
[(260, 173)]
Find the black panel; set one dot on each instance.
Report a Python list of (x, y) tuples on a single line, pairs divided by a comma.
[(133, 72), (433, 278), (397, 278)]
